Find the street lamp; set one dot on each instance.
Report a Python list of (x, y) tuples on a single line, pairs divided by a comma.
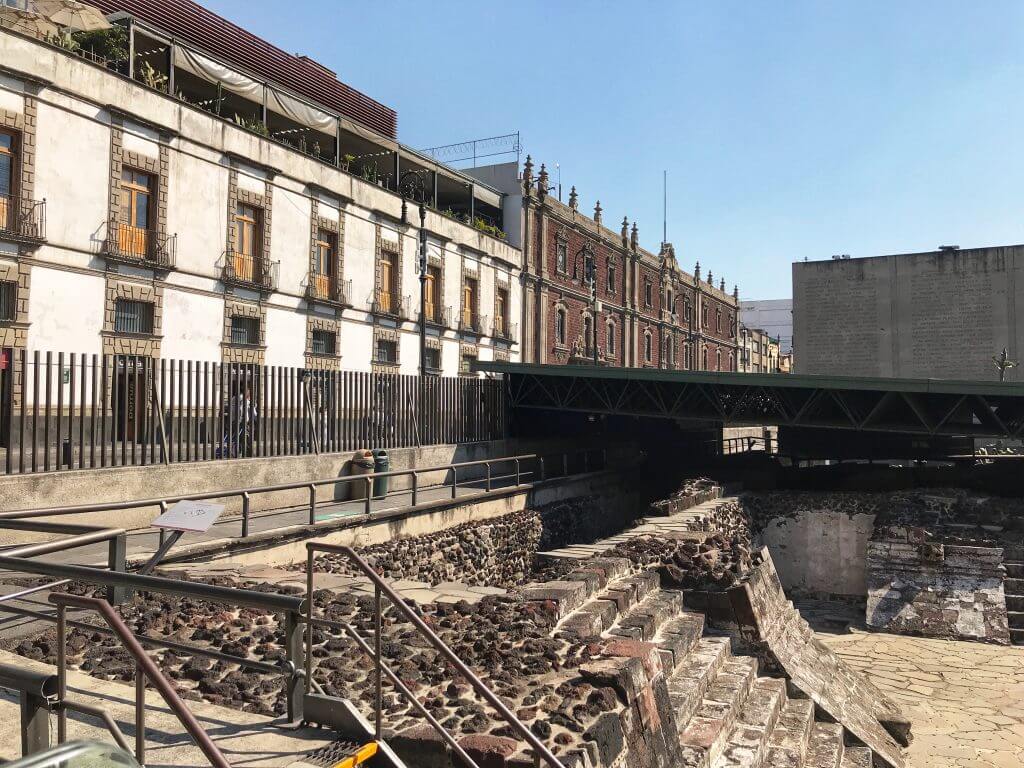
[(411, 187)]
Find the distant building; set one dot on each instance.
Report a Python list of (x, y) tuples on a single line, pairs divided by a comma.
[(759, 352), (774, 316), (939, 314), (786, 363)]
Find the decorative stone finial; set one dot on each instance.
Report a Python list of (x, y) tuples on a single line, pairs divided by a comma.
[(736, 292), (721, 286), (528, 175), (696, 273), (597, 212), (634, 237), (711, 280), (625, 231), (573, 199), (542, 182)]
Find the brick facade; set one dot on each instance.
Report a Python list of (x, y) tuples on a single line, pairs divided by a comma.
[(640, 293)]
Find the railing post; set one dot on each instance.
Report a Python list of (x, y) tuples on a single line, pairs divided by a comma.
[(379, 696), (369, 493), (116, 558), (245, 514), (487, 467), (312, 504), (140, 715), (455, 482), (35, 724), (294, 690), (518, 479), (415, 488), (565, 465), (540, 461), (62, 672)]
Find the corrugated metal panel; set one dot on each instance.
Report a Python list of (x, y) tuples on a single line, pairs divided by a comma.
[(190, 22)]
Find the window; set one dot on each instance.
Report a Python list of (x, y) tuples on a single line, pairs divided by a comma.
[(560, 327), (704, 359), (466, 362), (718, 360), (611, 278), (136, 210), (561, 256), (648, 298), (469, 294), (431, 307), (687, 356), (609, 343), (8, 299), (6, 178), (245, 330), (732, 361), (588, 334), (433, 359), (501, 311), (704, 315), (387, 351), (670, 305), (133, 316), (246, 243), (648, 347), (323, 342), (667, 347), (687, 310), (386, 298), (325, 250), (718, 320)]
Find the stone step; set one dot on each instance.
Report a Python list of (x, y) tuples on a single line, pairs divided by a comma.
[(856, 757), (1015, 602), (712, 723), (677, 637), (747, 743), (825, 746), (607, 594), (1015, 619), (1013, 586), (695, 674), (779, 757), (793, 729), (643, 620), (1014, 570)]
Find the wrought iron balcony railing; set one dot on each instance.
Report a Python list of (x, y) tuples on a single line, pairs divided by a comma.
[(503, 329), (250, 272), (472, 322), (134, 245), (23, 219), (435, 314), (390, 304), (328, 290)]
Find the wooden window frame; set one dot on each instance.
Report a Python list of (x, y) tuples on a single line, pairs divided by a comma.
[(470, 296), (12, 152), (387, 295), (501, 300), (132, 239), (431, 307), (247, 253)]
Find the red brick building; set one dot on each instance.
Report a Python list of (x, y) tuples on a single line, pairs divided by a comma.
[(579, 276)]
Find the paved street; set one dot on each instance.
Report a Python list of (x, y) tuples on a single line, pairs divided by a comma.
[(965, 699)]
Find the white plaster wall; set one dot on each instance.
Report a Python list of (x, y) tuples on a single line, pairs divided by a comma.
[(359, 255), (65, 311), (12, 95), (197, 326), (285, 338), (356, 344), (487, 296), (409, 353), (820, 551), (450, 357), (73, 175), (453, 281), (197, 195), (289, 240)]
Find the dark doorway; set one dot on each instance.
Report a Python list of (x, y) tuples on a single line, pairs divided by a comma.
[(130, 376)]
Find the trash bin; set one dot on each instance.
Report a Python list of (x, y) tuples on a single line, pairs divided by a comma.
[(362, 464), (381, 463)]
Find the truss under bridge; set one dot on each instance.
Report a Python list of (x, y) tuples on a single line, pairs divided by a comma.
[(927, 407)]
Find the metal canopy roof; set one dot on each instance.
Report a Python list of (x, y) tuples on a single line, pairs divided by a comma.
[(908, 406)]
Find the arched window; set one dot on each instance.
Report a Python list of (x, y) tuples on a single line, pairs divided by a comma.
[(687, 356), (669, 305), (718, 360), (704, 359), (588, 334), (560, 326), (732, 361), (666, 354), (609, 341), (647, 292), (648, 347), (718, 320)]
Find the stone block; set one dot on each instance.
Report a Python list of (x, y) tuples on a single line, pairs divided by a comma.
[(421, 746), (625, 675), (607, 736), (646, 653), (488, 751)]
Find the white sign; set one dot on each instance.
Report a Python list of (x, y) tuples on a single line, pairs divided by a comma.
[(195, 516)]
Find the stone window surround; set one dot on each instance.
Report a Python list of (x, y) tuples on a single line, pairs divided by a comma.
[(437, 261), (648, 348), (139, 344), (502, 281), (396, 249), (469, 274), (24, 125), (562, 246), (14, 333), (610, 340), (243, 353), (386, 334), (432, 342), (157, 167), (337, 228), (611, 275), (561, 307), (318, 361), (471, 350), (264, 202)]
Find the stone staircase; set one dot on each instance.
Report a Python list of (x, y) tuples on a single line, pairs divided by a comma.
[(1013, 586), (726, 714)]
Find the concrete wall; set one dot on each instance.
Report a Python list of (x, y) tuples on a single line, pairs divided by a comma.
[(925, 315), (820, 552), (775, 316)]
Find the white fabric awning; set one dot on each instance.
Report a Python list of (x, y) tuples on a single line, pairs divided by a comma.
[(301, 112), (215, 72)]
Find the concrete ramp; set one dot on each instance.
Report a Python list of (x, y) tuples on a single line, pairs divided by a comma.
[(768, 622)]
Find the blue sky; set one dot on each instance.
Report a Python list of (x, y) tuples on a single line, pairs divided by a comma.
[(788, 129)]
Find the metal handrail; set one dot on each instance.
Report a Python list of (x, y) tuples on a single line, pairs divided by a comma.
[(145, 666), (381, 587)]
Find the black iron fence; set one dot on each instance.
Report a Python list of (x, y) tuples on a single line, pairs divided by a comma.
[(73, 411)]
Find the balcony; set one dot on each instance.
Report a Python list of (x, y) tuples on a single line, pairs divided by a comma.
[(435, 314), (22, 219), (142, 247), (250, 272), (470, 322), (389, 304), (503, 329), (326, 290)]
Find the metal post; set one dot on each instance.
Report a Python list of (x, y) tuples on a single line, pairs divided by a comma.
[(35, 723), (379, 702), (308, 676), (540, 461), (487, 467), (140, 715), (312, 504), (518, 480), (294, 693), (245, 514), (415, 488), (62, 672), (116, 558), (455, 482), (369, 493)]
